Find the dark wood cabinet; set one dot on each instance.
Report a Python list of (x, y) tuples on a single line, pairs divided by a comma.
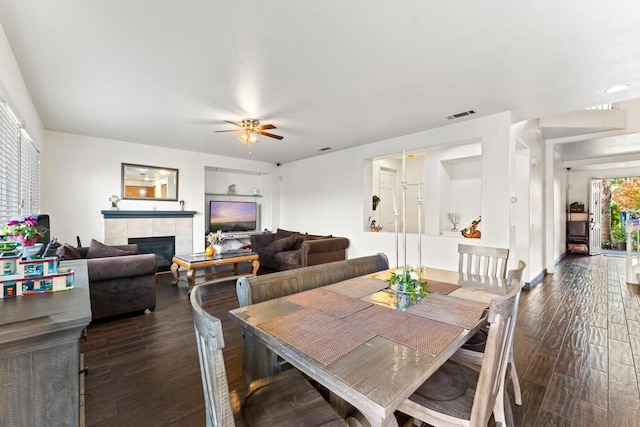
[(40, 354), (578, 232)]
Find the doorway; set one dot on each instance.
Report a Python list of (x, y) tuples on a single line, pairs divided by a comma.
[(619, 202)]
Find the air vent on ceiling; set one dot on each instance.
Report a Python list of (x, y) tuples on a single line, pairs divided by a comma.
[(458, 115), (325, 149)]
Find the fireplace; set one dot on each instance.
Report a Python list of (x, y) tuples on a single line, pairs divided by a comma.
[(164, 247)]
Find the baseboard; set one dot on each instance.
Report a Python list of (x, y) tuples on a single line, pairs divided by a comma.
[(532, 284)]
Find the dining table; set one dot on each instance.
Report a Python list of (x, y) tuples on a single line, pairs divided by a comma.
[(369, 345)]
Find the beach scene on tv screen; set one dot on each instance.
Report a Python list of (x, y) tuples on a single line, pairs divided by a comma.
[(232, 216)]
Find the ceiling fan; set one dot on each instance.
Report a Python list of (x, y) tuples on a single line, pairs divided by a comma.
[(250, 129)]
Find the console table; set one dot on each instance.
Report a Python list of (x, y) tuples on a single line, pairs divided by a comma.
[(40, 354)]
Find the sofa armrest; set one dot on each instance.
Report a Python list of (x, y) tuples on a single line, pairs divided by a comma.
[(261, 241), (325, 245), (321, 251), (121, 266)]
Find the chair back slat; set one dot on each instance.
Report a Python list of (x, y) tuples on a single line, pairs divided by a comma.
[(482, 260), (502, 317), (210, 343)]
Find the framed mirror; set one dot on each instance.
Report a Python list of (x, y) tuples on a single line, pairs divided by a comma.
[(141, 182)]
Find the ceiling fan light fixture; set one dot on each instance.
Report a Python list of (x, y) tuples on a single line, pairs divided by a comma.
[(250, 131), (248, 137), (253, 139)]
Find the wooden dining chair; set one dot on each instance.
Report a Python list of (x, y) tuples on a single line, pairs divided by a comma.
[(459, 395), (474, 353), (482, 260), (286, 399)]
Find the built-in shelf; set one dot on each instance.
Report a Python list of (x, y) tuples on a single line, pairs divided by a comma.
[(233, 195), (146, 214)]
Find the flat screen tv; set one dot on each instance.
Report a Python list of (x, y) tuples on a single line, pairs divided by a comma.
[(230, 216)]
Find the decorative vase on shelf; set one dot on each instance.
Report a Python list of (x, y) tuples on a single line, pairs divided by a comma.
[(217, 249)]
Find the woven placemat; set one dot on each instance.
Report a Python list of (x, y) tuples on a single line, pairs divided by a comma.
[(317, 334), (419, 333), (441, 287), (358, 287), (451, 310), (329, 302)]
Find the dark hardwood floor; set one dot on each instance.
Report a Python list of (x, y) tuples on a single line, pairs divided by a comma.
[(577, 350)]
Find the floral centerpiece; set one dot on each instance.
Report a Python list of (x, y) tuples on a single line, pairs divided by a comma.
[(408, 281), (408, 286), (215, 240), (25, 231)]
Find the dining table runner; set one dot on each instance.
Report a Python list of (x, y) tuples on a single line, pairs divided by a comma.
[(358, 287), (449, 309), (317, 334), (443, 288), (420, 333), (328, 302)]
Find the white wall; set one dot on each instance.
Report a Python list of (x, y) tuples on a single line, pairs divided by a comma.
[(14, 91), (80, 173), (559, 207), (336, 197), (533, 167)]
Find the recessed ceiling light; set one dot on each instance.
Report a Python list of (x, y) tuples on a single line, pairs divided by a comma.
[(616, 88)]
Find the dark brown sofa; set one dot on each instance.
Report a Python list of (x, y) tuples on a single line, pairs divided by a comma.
[(120, 281), (287, 250)]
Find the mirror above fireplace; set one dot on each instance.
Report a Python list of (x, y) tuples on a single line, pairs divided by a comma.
[(141, 182)]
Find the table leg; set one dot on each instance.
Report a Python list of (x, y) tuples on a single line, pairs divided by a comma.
[(176, 274), (191, 277), (341, 406), (356, 418), (256, 265), (257, 360)]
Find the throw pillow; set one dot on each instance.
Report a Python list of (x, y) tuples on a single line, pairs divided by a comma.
[(280, 233), (100, 250), (281, 245), (67, 252)]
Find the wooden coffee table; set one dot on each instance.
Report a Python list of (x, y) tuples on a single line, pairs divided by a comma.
[(194, 262)]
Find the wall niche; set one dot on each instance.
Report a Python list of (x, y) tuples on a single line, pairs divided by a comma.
[(451, 180), (454, 174)]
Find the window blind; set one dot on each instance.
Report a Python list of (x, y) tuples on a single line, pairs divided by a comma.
[(9, 164), (29, 175)]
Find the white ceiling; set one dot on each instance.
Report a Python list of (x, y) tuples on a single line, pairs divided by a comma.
[(326, 73)]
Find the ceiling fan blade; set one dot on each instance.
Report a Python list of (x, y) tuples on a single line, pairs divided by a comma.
[(233, 123), (270, 135), (230, 130), (265, 127)]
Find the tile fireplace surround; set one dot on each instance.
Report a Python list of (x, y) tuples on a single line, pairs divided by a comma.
[(119, 226)]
